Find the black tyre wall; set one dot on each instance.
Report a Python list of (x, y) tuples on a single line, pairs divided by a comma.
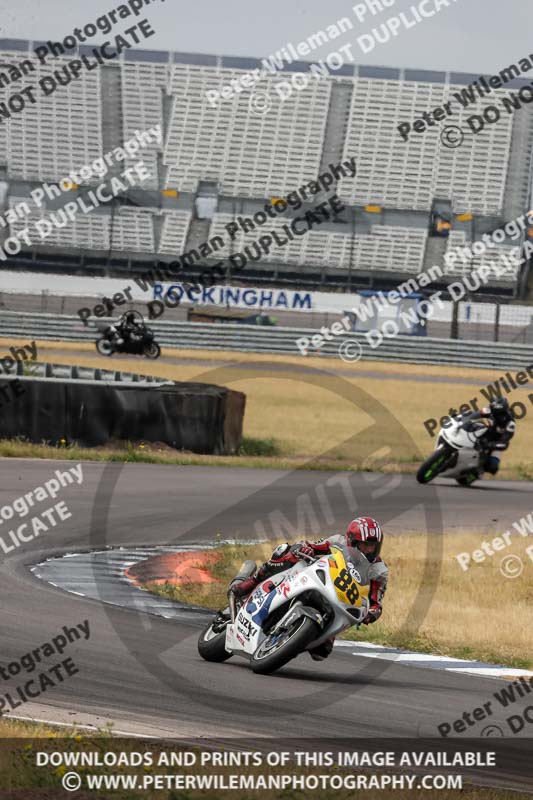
[(198, 417)]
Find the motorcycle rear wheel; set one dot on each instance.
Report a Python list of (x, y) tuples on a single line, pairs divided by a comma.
[(436, 463), (152, 350), (212, 645), (278, 649)]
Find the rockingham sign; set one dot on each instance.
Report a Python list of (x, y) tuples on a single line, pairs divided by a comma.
[(234, 297)]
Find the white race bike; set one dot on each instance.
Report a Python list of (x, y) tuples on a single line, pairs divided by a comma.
[(458, 453), (291, 612)]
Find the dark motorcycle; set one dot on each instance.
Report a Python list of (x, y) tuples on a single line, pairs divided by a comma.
[(141, 343)]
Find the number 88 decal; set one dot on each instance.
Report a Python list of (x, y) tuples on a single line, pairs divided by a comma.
[(345, 583)]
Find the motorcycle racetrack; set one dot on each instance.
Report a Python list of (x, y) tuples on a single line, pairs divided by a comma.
[(142, 672)]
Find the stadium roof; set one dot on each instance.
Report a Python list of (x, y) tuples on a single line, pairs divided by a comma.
[(237, 62)]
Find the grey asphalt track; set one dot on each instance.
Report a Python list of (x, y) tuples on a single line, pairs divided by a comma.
[(143, 673)]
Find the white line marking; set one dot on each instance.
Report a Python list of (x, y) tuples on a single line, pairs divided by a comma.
[(447, 663)]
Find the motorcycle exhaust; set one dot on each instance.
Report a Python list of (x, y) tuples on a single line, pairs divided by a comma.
[(232, 607)]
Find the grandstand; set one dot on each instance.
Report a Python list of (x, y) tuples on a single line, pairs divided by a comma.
[(241, 159)]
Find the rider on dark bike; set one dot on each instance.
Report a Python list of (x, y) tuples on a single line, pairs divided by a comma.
[(129, 328)]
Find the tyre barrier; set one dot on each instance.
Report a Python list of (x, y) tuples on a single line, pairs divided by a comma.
[(197, 417)]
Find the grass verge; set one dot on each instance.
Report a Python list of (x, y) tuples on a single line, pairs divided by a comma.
[(476, 601), (293, 421), (254, 453), (14, 729)]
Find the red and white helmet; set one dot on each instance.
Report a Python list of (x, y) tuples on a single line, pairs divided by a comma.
[(365, 529)]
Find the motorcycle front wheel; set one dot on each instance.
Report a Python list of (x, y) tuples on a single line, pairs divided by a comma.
[(104, 347), (281, 647), (152, 350), (212, 644), (437, 462)]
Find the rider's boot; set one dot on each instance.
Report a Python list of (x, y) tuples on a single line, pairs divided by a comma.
[(222, 616), (323, 650)]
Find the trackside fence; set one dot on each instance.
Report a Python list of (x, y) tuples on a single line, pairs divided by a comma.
[(278, 340)]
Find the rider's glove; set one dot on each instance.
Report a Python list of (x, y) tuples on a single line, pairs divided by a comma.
[(242, 586), (374, 613), (304, 549)]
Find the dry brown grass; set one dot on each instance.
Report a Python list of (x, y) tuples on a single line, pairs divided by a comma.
[(476, 614), (469, 373), (14, 729), (308, 418), (317, 362)]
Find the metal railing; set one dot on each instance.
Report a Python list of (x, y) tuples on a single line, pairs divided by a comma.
[(278, 340), (38, 369)]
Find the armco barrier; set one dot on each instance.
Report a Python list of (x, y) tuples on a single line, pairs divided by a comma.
[(197, 417), (39, 369), (256, 339)]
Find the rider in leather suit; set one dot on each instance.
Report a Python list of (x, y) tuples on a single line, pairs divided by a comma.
[(128, 328), (364, 533), (500, 431)]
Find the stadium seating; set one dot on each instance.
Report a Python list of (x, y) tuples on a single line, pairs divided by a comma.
[(410, 174), (248, 154), (174, 232), (143, 86), (473, 175), (388, 248), (86, 232), (132, 229), (500, 256), (58, 133), (391, 172)]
